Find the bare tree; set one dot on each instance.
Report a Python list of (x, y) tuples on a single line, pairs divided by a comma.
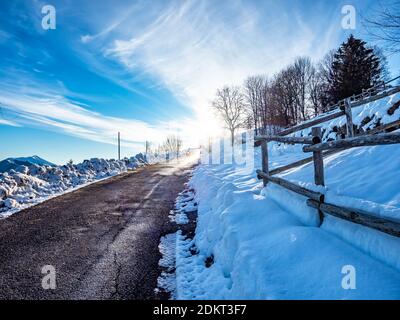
[(317, 92), (384, 26), (230, 106), (258, 102), (173, 145), (293, 95), (325, 65), (285, 96), (383, 62), (264, 114), (319, 96), (303, 71), (253, 87)]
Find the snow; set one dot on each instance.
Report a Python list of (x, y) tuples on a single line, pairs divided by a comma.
[(25, 186), (360, 178), (13, 163), (167, 250), (179, 217), (266, 243), (167, 280), (35, 160), (185, 203)]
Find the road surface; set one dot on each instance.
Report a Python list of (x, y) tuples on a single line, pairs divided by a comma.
[(101, 239)]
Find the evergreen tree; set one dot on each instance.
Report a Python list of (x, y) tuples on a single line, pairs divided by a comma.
[(355, 66)]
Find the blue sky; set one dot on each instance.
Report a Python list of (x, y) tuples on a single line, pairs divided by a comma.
[(145, 68)]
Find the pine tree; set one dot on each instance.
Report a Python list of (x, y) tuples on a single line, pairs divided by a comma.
[(355, 67)]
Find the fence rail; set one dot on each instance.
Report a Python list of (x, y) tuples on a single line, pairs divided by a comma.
[(357, 216), (316, 196), (289, 140), (311, 123), (369, 95), (320, 149), (394, 125), (360, 141), (339, 110), (380, 129)]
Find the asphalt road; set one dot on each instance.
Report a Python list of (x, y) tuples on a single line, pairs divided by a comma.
[(101, 239)]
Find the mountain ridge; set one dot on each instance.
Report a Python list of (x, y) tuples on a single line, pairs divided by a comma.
[(12, 163)]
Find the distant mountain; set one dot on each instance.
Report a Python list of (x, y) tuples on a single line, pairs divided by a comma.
[(12, 163)]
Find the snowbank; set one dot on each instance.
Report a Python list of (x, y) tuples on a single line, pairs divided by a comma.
[(28, 185), (264, 243)]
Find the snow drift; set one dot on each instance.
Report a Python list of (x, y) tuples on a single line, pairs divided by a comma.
[(29, 184), (265, 243)]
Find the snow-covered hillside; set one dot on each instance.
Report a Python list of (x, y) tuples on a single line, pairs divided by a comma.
[(365, 117), (30, 184), (266, 243)]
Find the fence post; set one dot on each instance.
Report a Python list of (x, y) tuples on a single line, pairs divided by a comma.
[(349, 118), (264, 157), (318, 159)]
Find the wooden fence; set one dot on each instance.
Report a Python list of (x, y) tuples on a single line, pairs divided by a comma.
[(320, 149), (377, 92), (341, 109)]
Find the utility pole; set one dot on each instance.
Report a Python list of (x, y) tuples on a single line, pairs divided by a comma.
[(119, 146)]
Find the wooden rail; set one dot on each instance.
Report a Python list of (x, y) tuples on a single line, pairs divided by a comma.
[(360, 141), (313, 144), (367, 96), (380, 129), (316, 196), (339, 113), (320, 149), (311, 123), (378, 96), (383, 128), (357, 216), (289, 140)]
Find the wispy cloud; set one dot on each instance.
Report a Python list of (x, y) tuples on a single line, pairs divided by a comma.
[(115, 23), (8, 122), (189, 47), (194, 47), (54, 112)]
